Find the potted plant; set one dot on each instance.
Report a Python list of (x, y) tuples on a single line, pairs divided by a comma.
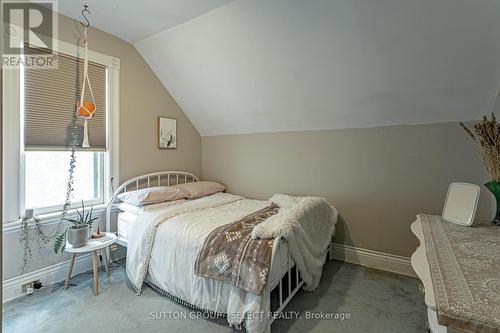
[(486, 134), (78, 231)]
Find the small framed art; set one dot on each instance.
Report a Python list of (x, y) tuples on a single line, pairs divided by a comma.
[(167, 133)]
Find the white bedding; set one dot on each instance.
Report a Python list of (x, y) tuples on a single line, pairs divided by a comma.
[(163, 246), (184, 235), (177, 242), (282, 262)]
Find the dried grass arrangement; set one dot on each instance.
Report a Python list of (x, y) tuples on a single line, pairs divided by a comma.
[(486, 134)]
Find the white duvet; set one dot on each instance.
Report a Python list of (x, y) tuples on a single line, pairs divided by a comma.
[(163, 246), (174, 250)]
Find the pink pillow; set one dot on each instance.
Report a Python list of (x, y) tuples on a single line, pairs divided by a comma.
[(200, 189), (152, 195)]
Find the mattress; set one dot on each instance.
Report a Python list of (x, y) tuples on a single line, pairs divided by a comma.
[(124, 220)]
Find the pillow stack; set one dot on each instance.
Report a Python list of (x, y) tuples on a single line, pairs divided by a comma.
[(152, 195), (178, 193)]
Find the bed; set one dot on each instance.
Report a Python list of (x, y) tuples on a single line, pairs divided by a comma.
[(183, 236)]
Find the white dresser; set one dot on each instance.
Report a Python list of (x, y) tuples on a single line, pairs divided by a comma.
[(421, 267)]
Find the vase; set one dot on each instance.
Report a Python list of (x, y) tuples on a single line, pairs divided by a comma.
[(78, 235), (494, 188)]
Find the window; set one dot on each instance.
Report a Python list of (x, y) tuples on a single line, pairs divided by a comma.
[(38, 108), (46, 175), (48, 104)]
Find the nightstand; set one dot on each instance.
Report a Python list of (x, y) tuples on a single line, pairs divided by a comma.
[(93, 245)]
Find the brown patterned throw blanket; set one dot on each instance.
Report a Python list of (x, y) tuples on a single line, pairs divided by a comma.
[(229, 253), (465, 269)]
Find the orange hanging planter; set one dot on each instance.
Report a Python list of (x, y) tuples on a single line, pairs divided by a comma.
[(87, 110)]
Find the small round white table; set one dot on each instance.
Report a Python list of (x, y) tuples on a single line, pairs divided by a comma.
[(93, 245)]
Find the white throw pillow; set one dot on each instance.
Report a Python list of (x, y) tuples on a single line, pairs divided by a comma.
[(200, 189), (137, 210), (152, 195)]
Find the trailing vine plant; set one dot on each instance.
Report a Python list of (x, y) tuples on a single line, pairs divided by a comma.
[(59, 234), (60, 242)]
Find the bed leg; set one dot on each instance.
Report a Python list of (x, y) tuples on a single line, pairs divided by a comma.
[(330, 253)]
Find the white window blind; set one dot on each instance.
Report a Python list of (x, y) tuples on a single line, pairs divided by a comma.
[(50, 99)]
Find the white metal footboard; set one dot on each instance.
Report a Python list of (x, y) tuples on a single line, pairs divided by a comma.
[(292, 275), (285, 288), (298, 282)]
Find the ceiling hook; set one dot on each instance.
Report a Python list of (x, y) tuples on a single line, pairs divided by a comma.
[(85, 17)]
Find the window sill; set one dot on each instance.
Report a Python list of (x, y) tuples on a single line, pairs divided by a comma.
[(50, 218)]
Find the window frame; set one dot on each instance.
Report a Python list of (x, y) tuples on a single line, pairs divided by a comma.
[(13, 136)]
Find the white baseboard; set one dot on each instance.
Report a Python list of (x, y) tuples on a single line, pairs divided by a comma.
[(373, 259), (12, 288)]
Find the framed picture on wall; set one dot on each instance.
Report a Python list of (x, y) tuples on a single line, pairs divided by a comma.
[(167, 133)]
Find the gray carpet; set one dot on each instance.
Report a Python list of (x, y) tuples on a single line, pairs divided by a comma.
[(376, 302)]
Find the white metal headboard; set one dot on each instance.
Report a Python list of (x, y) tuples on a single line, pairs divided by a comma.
[(161, 178)]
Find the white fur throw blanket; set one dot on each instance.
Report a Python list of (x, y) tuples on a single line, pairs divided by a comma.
[(308, 225)]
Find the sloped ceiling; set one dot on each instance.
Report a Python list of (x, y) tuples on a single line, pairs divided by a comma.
[(278, 65), (134, 20)]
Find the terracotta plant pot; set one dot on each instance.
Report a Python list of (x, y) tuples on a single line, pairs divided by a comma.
[(86, 110)]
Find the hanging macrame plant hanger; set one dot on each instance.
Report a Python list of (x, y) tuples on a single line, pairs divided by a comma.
[(86, 109)]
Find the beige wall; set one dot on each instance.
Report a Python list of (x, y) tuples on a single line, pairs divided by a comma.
[(378, 178), (142, 99)]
